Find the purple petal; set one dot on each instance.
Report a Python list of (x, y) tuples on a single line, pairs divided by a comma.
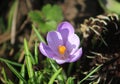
[(66, 29), (61, 61), (45, 50), (54, 40), (76, 55), (73, 43), (67, 26)]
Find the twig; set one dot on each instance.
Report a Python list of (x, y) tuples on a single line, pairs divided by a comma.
[(14, 21)]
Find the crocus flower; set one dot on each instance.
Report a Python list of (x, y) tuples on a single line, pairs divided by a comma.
[(63, 44)]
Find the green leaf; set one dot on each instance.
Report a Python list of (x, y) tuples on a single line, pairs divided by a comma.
[(52, 12), (110, 6), (36, 16), (51, 25), (44, 27), (48, 18), (54, 76), (47, 26), (16, 72)]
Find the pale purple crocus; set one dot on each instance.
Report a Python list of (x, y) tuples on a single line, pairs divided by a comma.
[(63, 44)]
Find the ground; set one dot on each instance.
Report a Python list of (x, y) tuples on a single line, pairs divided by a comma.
[(76, 12)]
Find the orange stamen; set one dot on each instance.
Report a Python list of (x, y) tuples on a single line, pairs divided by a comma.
[(62, 50)]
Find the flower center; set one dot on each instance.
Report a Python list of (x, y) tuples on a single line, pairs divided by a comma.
[(62, 50)]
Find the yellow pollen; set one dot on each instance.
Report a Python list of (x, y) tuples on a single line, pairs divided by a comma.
[(62, 50)]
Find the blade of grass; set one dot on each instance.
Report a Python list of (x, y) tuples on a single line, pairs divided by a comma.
[(69, 68), (54, 76), (53, 66), (104, 41), (40, 77), (4, 75), (38, 34), (93, 71), (30, 70), (32, 58), (10, 62), (36, 53), (22, 73), (10, 82), (16, 72), (70, 80), (62, 76), (28, 61)]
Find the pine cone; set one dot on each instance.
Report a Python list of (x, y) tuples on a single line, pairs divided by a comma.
[(101, 44)]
